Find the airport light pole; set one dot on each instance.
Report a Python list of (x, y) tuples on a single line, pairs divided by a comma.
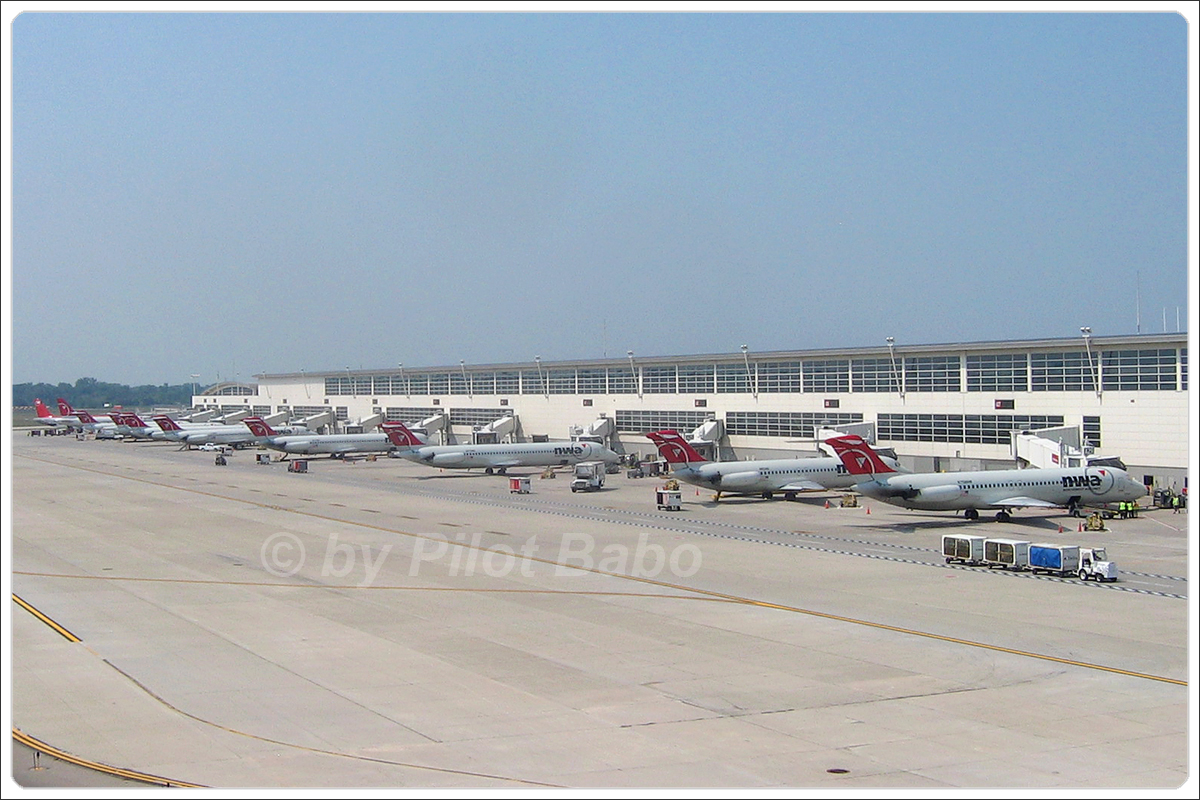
[(195, 388), (1087, 341), (545, 389), (637, 383), (403, 379), (304, 380), (891, 343), (751, 380), (466, 381)]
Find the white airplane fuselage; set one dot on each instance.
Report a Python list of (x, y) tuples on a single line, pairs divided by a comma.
[(777, 475), (331, 444), (1011, 488), (503, 456)]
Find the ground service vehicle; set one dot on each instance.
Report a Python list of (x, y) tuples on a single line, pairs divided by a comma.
[(589, 475), (1064, 560), (1094, 564)]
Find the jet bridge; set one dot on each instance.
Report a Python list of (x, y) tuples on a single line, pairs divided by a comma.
[(315, 422), (603, 431), (439, 423), (1063, 446), (495, 431), (202, 416), (276, 419), (234, 417), (367, 423), (707, 437), (864, 429)]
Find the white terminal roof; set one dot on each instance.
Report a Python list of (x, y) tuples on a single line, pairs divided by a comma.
[(1138, 341)]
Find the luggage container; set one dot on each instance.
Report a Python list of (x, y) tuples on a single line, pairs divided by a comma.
[(518, 485), (1006, 553), (298, 466), (1054, 559), (668, 499), (262, 458), (963, 548)]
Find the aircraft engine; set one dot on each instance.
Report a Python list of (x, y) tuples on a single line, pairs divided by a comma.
[(740, 480)]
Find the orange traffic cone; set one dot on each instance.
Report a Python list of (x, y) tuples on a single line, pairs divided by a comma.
[(1081, 527), (1061, 529), (827, 504), (868, 509)]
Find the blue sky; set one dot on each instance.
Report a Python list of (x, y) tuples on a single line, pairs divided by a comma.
[(239, 193)]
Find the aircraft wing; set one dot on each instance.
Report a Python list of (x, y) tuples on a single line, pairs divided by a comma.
[(1023, 502), (801, 486)]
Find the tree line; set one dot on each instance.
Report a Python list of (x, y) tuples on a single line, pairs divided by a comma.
[(91, 393)]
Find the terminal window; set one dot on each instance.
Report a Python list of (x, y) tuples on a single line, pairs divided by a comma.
[(875, 375), (827, 376), (1139, 370), (932, 374), (1001, 372)]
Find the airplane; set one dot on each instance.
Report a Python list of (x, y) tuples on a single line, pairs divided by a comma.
[(131, 425), (304, 443), (46, 418), (1068, 487), (215, 433), (765, 478), (494, 457), (103, 428)]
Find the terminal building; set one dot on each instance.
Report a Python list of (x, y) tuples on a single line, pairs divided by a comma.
[(941, 407)]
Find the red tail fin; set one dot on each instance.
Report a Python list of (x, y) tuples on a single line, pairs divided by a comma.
[(135, 421), (674, 448), (166, 423), (259, 427), (858, 456), (42, 411), (65, 409), (85, 417), (400, 435)]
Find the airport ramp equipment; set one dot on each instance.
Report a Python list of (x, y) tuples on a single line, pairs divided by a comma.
[(501, 427), (1063, 446), (598, 431), (864, 429), (317, 420), (370, 422), (437, 422), (710, 432)]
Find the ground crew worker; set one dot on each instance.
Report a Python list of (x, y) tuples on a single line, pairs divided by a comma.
[(1121, 510), (1175, 504)]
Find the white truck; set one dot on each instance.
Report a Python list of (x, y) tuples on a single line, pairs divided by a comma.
[(1094, 564), (589, 476)]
